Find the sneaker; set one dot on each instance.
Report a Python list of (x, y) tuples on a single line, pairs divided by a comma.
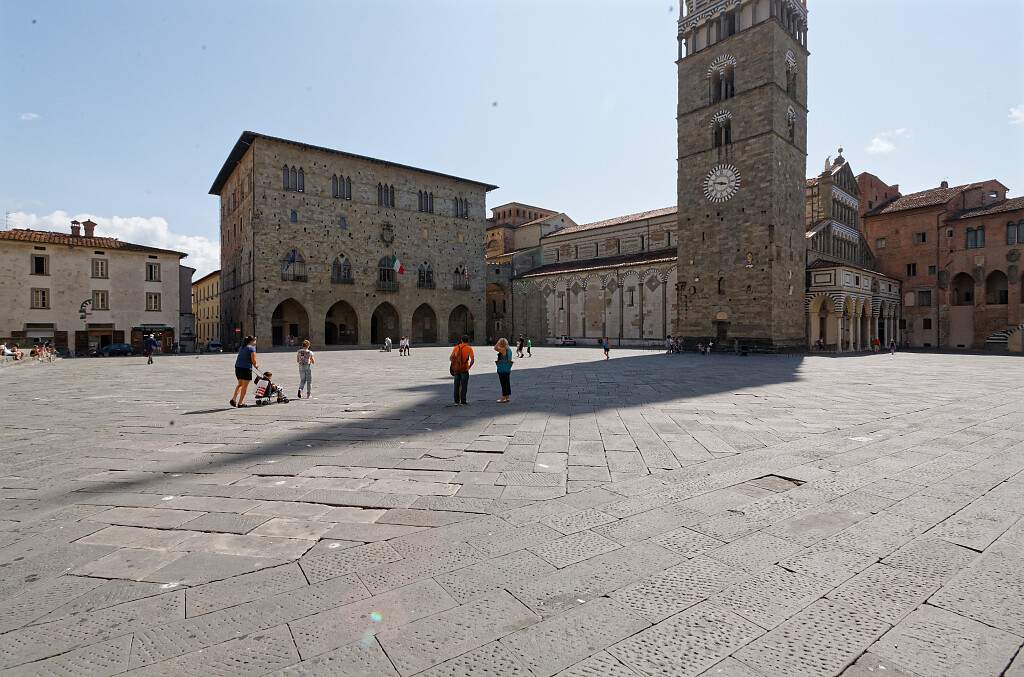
[(232, 403), (307, 395)]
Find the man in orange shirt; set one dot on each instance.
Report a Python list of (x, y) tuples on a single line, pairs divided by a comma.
[(462, 360)]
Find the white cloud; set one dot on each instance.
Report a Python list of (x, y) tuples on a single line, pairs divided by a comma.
[(203, 253), (885, 142), (28, 117), (1017, 115)]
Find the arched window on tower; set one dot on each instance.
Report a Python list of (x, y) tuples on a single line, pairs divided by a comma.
[(425, 276), (293, 179), (334, 186), (302, 181), (722, 132), (285, 185), (791, 124)]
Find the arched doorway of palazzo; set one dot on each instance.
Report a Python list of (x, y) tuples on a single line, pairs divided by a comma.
[(289, 324), (341, 325), (424, 325), (460, 323), (384, 323)]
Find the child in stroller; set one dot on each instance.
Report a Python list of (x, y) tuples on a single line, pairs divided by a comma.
[(266, 389)]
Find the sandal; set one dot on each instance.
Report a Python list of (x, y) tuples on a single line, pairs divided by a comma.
[(232, 403), (242, 404)]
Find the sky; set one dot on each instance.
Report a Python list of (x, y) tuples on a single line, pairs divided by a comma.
[(125, 111)]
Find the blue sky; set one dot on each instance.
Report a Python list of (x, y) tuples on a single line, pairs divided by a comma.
[(128, 109)]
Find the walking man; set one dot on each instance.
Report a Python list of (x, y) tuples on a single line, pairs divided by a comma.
[(462, 360), (150, 348), (529, 347)]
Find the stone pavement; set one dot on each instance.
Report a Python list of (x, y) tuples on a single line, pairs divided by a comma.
[(650, 515)]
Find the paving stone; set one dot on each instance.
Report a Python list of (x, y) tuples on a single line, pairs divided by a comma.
[(245, 545), (195, 568), (258, 653), (578, 521), (429, 563), (879, 535), (828, 563), (755, 552), (145, 517), (530, 479), (975, 527), (102, 659), (368, 533), (987, 591), (649, 524), (358, 499), (203, 599), (325, 565), (291, 509), (224, 522), (871, 665), (361, 659), (601, 664), (434, 639), (509, 539), (770, 596), (931, 558), (670, 591), (579, 583), (574, 548), (934, 641), (687, 643), (731, 667), (686, 542), (136, 537), (43, 641), (559, 642), (104, 595), (130, 563), (422, 518), (729, 526), (501, 572), (822, 639), (42, 599), (157, 644), (341, 626)]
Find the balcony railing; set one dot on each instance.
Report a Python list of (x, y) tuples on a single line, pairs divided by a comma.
[(293, 272), (425, 284), (387, 285), (342, 279), (460, 285)]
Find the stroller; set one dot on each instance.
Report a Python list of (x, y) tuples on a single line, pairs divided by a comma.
[(266, 389)]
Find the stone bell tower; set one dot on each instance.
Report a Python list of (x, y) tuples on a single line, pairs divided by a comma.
[(742, 153)]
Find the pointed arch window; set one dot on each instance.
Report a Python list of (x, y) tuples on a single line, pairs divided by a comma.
[(302, 181), (341, 270), (721, 129), (286, 184), (460, 278), (425, 276), (334, 186), (293, 267), (386, 275), (791, 124)]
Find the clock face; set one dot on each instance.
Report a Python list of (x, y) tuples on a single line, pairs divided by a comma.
[(721, 183)]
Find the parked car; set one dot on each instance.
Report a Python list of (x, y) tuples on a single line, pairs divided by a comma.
[(214, 347), (564, 340), (117, 349)]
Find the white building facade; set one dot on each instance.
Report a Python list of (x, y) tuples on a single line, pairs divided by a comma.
[(50, 280)]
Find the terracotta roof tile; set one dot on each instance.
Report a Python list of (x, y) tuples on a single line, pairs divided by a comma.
[(617, 221), (51, 237), (1010, 205), (925, 198)]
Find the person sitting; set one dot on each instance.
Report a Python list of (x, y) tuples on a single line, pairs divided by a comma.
[(272, 388)]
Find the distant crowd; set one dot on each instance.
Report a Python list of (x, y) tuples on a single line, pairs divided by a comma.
[(40, 352)]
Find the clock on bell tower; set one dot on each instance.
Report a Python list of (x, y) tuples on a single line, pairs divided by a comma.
[(742, 133)]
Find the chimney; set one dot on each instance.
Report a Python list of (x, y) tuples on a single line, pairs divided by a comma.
[(90, 227), (76, 229), (944, 184)]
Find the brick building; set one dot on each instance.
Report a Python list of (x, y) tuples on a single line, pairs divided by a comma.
[(956, 250), (311, 239)]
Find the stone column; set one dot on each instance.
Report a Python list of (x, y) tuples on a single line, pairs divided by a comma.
[(839, 333)]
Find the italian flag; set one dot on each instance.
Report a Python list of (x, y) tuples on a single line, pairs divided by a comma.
[(397, 265)]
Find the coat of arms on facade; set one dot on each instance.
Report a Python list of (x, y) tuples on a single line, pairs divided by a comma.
[(387, 233)]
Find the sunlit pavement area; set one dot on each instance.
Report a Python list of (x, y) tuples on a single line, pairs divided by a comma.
[(648, 515)]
